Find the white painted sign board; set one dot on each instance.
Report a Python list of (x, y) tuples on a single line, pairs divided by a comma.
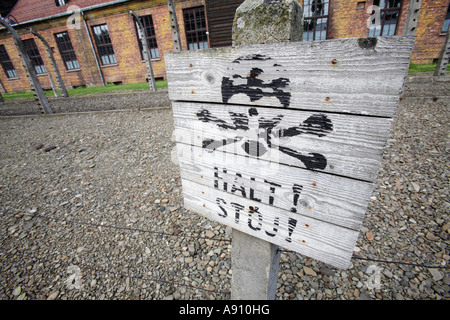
[(284, 141)]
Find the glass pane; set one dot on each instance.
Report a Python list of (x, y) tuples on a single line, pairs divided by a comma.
[(446, 24), (375, 31), (308, 36), (447, 21)]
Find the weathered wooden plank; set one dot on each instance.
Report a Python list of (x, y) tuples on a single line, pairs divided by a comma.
[(326, 242), (324, 197), (358, 76), (341, 144)]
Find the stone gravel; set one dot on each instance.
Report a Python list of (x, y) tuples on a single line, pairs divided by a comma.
[(91, 208), (116, 100)]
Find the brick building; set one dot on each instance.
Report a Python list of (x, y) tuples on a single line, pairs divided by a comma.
[(100, 42), (333, 19)]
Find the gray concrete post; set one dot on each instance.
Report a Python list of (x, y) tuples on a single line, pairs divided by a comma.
[(29, 70), (444, 57), (61, 85), (174, 25), (412, 18), (254, 262), (147, 56)]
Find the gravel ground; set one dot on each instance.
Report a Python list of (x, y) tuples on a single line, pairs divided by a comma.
[(117, 100), (91, 208)]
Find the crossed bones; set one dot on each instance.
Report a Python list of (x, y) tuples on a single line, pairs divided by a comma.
[(317, 124)]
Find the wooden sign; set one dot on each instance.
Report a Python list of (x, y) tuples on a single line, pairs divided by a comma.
[(284, 141)]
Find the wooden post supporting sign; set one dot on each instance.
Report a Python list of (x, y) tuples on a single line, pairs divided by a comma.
[(257, 22), (282, 141)]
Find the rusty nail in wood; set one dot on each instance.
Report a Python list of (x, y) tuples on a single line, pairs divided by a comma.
[(334, 61)]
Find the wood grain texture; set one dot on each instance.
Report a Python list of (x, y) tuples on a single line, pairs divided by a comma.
[(319, 196), (353, 147), (358, 76), (326, 242), (284, 141)]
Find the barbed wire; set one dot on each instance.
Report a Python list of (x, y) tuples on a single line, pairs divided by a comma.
[(173, 282), (102, 225), (401, 262)]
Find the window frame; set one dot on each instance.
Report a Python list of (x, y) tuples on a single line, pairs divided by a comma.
[(60, 3), (199, 35), (5, 61), (66, 50), (383, 13), (35, 56), (150, 35), (314, 18), (446, 25), (103, 43)]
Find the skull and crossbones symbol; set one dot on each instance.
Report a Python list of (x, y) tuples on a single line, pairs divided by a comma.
[(258, 134), (265, 131)]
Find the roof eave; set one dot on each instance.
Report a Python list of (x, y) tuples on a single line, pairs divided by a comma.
[(59, 15)]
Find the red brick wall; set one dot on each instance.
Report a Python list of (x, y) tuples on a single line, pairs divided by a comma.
[(130, 67), (347, 18), (429, 38)]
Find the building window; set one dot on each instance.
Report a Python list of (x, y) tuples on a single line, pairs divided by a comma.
[(149, 30), (195, 28), (386, 25), (35, 56), (60, 3), (7, 65), (315, 19), (66, 50), (104, 46), (447, 21)]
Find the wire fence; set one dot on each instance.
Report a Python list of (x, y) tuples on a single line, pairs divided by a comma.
[(172, 282)]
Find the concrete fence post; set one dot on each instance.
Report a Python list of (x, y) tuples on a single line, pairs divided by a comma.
[(412, 18), (59, 79), (29, 70), (147, 53), (254, 262), (174, 26), (444, 57)]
